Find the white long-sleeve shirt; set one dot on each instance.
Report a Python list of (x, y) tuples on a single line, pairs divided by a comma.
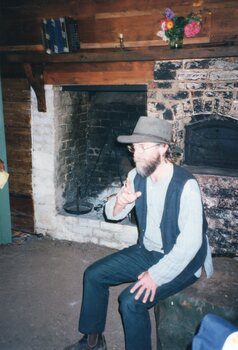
[(189, 221)]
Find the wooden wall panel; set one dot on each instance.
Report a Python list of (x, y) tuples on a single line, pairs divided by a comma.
[(18, 31), (102, 21), (12, 70), (22, 220), (105, 33), (225, 28), (17, 119), (100, 73)]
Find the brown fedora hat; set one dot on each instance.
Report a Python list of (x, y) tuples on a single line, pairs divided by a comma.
[(149, 129)]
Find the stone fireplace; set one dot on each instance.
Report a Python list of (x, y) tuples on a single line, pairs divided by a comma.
[(75, 151)]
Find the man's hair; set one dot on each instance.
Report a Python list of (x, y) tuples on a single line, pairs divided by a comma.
[(171, 155)]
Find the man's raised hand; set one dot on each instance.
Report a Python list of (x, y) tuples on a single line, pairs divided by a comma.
[(125, 196)]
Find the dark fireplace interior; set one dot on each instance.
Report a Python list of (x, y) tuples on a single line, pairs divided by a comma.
[(95, 163)]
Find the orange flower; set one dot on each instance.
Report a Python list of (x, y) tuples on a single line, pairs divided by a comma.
[(169, 25)]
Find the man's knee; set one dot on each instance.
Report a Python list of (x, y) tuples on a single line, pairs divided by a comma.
[(92, 273), (127, 302)]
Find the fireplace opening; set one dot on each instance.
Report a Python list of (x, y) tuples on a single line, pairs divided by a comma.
[(92, 165), (211, 143)]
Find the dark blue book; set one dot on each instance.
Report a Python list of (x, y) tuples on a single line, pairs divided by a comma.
[(60, 35), (64, 34), (45, 36), (51, 34), (59, 47)]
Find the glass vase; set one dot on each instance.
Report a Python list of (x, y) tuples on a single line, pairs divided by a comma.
[(176, 43)]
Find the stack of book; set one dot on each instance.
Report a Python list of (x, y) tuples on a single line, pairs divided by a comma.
[(60, 35)]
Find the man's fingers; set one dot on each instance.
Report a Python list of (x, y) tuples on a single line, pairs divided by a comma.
[(126, 198), (147, 295), (128, 188), (126, 195), (128, 185), (152, 296), (139, 292), (135, 287), (145, 285)]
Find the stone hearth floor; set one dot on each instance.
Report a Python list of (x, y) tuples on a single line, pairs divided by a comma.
[(41, 293)]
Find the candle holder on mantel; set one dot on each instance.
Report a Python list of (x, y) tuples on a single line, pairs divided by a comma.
[(121, 38)]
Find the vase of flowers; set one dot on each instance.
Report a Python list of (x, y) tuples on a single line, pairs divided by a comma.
[(175, 28)]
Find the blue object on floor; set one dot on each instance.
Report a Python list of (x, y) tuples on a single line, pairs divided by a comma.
[(212, 333)]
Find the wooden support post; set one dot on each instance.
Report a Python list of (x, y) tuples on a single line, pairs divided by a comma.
[(34, 74)]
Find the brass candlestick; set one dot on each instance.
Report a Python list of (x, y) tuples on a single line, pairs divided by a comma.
[(121, 38)]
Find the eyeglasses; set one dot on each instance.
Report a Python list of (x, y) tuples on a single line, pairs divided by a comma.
[(140, 148)]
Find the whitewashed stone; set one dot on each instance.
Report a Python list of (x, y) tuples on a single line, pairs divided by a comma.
[(224, 75), (234, 109), (192, 75)]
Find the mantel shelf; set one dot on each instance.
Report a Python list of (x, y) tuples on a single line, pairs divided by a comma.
[(41, 68), (126, 55)]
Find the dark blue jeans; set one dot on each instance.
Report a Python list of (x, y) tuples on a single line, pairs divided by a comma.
[(122, 267)]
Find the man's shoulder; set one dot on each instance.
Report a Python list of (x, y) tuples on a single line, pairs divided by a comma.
[(186, 181), (181, 176), (182, 173)]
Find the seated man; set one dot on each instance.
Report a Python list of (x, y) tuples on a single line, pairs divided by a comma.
[(172, 245)]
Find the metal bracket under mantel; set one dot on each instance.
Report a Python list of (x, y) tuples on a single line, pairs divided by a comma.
[(34, 74)]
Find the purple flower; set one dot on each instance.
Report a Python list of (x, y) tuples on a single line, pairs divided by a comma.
[(168, 13)]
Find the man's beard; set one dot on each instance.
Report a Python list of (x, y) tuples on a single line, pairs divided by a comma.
[(146, 169)]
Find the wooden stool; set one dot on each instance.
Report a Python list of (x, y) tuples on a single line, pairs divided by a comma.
[(178, 317)]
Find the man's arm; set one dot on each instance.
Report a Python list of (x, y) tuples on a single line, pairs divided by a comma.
[(120, 205), (125, 196)]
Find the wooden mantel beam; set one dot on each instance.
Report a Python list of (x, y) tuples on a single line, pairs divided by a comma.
[(127, 55), (110, 66), (35, 76)]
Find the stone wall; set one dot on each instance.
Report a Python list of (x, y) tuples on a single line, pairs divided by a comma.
[(185, 88), (183, 91), (220, 199)]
